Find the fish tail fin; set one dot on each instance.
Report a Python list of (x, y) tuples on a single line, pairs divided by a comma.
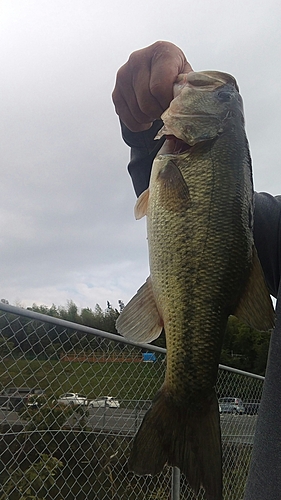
[(182, 437)]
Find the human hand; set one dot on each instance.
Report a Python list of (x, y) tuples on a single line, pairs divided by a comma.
[(144, 84)]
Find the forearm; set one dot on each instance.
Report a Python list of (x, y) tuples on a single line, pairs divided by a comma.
[(143, 151)]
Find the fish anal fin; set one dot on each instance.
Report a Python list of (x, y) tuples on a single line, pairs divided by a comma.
[(140, 320), (182, 436), (255, 307), (141, 205)]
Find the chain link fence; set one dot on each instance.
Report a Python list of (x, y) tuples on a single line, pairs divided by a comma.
[(53, 448)]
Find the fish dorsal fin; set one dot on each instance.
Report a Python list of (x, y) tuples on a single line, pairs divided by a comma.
[(255, 306), (140, 320), (141, 205)]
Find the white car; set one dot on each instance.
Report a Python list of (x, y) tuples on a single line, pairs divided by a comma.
[(73, 399), (104, 402)]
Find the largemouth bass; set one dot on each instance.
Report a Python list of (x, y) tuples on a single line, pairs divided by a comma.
[(204, 267)]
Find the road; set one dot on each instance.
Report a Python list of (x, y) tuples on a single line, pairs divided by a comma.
[(109, 419), (238, 428), (235, 428)]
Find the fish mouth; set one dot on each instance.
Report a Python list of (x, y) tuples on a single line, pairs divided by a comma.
[(175, 146)]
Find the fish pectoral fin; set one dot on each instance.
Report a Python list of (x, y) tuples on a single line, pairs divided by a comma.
[(173, 186), (255, 307), (141, 205), (140, 320)]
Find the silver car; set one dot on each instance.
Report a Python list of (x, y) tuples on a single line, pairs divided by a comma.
[(231, 405)]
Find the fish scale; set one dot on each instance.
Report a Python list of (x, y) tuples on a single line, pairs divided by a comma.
[(204, 228)]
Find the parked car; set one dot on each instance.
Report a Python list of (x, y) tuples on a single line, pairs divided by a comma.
[(73, 399), (15, 398), (104, 401), (231, 405), (252, 406)]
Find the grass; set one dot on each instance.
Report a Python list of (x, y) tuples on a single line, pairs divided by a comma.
[(122, 380)]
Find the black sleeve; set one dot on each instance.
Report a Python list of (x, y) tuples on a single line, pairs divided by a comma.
[(143, 151), (267, 235), (264, 478)]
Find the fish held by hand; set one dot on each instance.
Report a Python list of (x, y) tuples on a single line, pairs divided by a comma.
[(203, 268)]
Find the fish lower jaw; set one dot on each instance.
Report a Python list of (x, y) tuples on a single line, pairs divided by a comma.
[(174, 146)]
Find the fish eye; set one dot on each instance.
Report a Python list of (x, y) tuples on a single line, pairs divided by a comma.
[(224, 95)]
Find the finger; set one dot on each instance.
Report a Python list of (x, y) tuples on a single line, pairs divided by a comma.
[(131, 115), (126, 102), (144, 100), (144, 85), (132, 98), (166, 66)]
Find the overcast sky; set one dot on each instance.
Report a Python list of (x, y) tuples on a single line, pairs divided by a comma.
[(67, 229)]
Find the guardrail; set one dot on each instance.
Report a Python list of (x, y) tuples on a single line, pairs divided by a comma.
[(52, 451)]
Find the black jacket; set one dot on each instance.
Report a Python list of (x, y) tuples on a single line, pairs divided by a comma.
[(264, 481)]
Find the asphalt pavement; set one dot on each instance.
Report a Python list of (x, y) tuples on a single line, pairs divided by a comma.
[(235, 428)]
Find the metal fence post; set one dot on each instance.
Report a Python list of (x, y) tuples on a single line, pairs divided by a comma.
[(175, 483)]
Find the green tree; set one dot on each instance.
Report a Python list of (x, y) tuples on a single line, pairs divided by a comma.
[(245, 348)]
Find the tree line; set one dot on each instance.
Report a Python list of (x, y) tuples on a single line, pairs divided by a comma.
[(243, 347), (21, 336)]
